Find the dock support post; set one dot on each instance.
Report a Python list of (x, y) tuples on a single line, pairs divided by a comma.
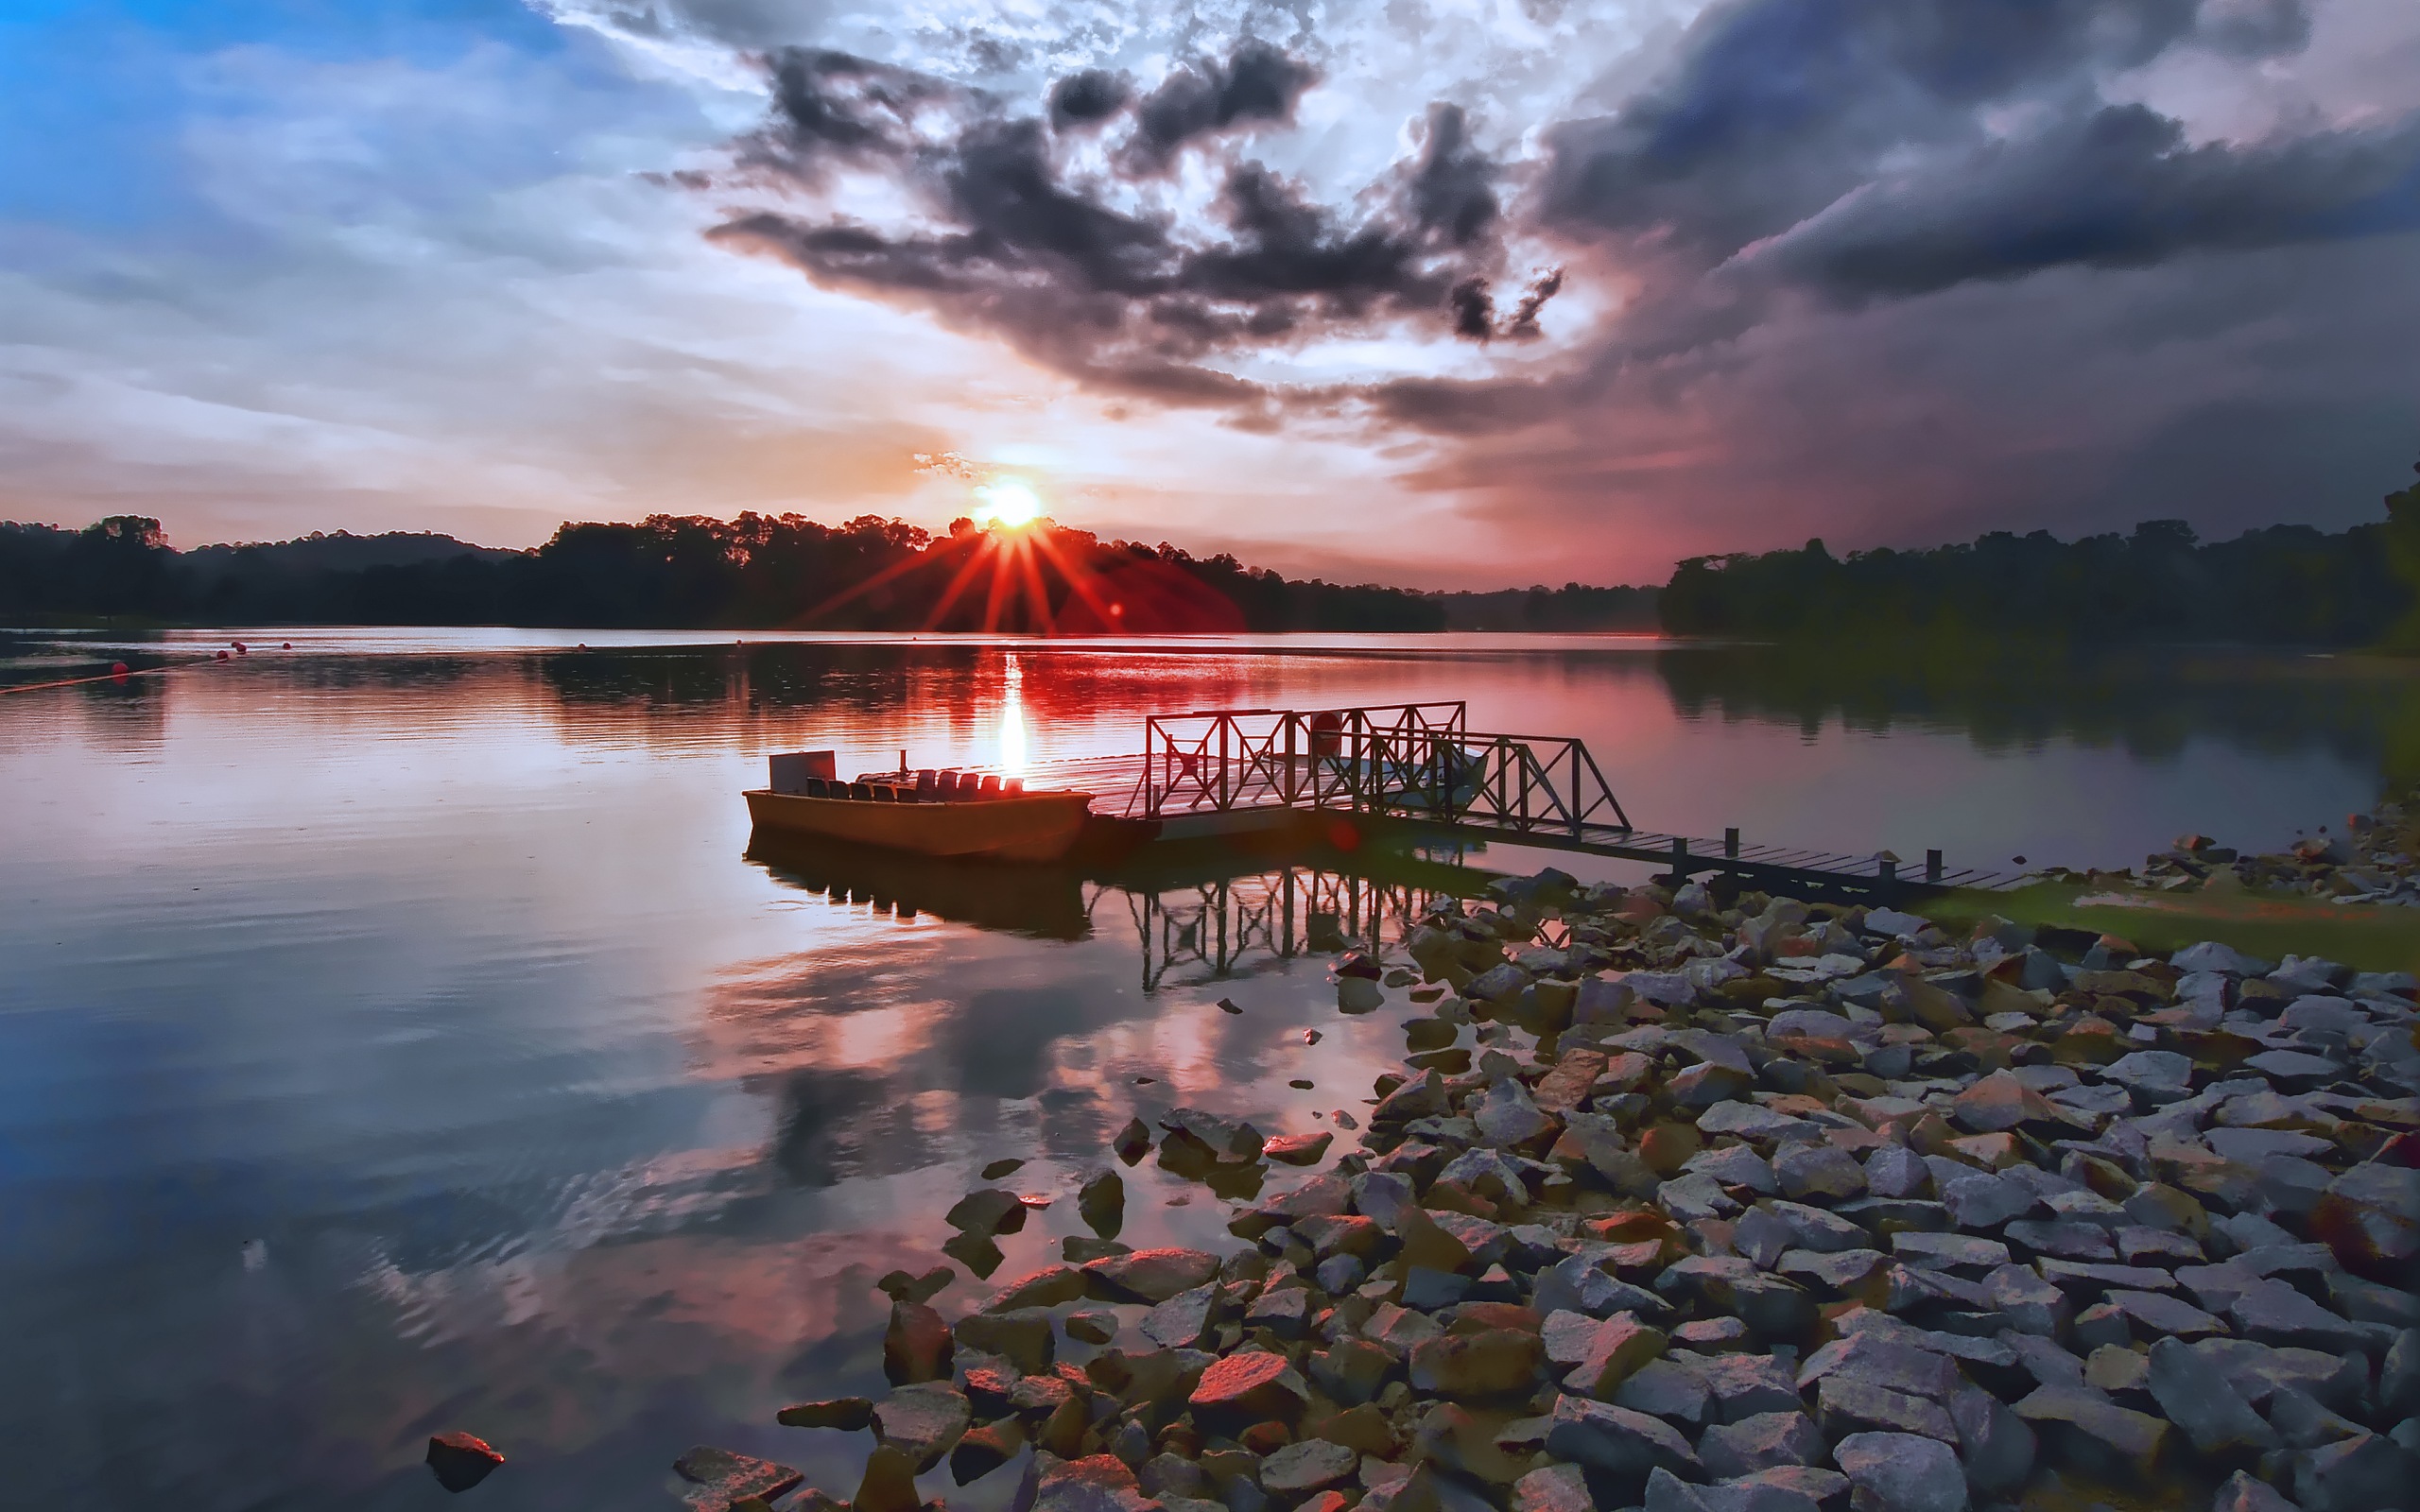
[(1887, 870), (1932, 866), (1680, 860), (1731, 842)]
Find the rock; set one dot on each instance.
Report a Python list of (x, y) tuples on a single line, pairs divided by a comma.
[(1492, 1363), (2370, 1218), (1985, 1201), (1995, 1443), (2155, 1077), (1745, 1385), (1845, 1405), (1098, 1482), (901, 1287), (1507, 1116), (916, 1346), (1312, 1465), (1299, 1149), (848, 1414), (1615, 1441), (1132, 1142), (985, 1212), (1948, 1251), (2365, 1473), (1553, 1489), (1883, 1362), (1617, 1347), (1091, 1328), (2001, 1102), (1901, 1472), (1425, 1245), (460, 1460), (2099, 1432), (1150, 1275), (1102, 1203), (2241, 1494), (1895, 1171), (2202, 1403), (1759, 1442), (718, 1478), (1047, 1288), (2209, 955), (2272, 1312), (888, 1483), (2168, 1316), (984, 1448), (923, 1421), (1824, 1171), (1250, 1387), (1180, 1322), (1669, 1389)]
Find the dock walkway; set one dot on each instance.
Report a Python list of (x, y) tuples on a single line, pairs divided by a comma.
[(1233, 772)]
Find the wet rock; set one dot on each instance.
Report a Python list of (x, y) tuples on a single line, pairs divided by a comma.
[(984, 1448), (901, 1287), (1150, 1275), (718, 1478), (1180, 1322), (1299, 1149), (1616, 1440), (1098, 1482), (1047, 1288), (1901, 1472), (460, 1460), (887, 1484), (923, 1421), (848, 1414), (1132, 1142), (987, 1211), (917, 1345), (1022, 1336)]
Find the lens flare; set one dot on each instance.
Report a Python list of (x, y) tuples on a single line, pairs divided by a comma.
[(1007, 502)]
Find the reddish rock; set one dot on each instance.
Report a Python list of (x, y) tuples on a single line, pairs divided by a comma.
[(1150, 1275), (917, 1346), (721, 1477), (1250, 1387), (848, 1414), (460, 1460), (1298, 1149)]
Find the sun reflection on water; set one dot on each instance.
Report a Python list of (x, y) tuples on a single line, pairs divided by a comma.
[(1013, 732)]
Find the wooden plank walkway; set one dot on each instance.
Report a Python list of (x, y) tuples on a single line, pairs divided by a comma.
[(1118, 784)]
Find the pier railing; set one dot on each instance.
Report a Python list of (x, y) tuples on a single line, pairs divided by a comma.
[(1414, 759)]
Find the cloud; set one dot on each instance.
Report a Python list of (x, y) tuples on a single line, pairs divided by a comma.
[(1082, 270)]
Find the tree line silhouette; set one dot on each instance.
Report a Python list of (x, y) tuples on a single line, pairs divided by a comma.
[(2283, 585)]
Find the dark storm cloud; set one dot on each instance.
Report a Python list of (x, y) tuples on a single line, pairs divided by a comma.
[(1088, 97), (1015, 243), (1259, 83), (2117, 188)]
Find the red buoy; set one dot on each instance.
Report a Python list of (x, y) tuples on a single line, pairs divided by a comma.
[(119, 669), (222, 656)]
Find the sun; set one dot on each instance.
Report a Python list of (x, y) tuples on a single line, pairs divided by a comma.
[(1007, 502)]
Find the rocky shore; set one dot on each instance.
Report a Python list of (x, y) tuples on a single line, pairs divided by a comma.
[(2375, 859), (1727, 1205)]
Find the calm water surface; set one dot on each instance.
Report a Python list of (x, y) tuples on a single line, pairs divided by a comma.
[(395, 1034)]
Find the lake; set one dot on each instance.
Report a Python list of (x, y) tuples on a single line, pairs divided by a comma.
[(396, 1034)]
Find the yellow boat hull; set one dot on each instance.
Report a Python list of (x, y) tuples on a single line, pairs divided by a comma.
[(1022, 827)]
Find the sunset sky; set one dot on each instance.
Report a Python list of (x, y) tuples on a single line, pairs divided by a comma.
[(1438, 292)]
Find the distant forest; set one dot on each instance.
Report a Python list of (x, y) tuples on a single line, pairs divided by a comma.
[(756, 572), (2284, 585)]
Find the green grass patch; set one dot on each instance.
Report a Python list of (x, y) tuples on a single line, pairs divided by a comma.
[(2271, 925)]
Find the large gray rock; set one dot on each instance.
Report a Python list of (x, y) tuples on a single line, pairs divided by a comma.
[(1616, 1440), (1312, 1465), (2272, 1312), (1671, 1388), (2366, 1473), (2156, 1077), (2241, 1494), (2201, 1401), (1903, 1472), (1995, 1443), (1759, 1442), (923, 1421), (1845, 1404)]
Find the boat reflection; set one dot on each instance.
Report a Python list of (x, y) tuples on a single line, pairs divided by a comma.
[(1197, 914)]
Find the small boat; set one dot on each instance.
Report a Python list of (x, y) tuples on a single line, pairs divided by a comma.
[(924, 813)]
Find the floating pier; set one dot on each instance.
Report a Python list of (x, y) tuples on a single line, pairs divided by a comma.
[(1241, 772)]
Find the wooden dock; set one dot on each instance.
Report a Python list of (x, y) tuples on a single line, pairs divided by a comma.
[(1419, 766)]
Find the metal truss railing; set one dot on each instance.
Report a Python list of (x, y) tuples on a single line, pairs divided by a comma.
[(1413, 759)]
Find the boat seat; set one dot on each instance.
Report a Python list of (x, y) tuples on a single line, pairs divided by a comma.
[(990, 787), (1009, 786), (945, 785), (862, 791), (815, 787), (927, 787)]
